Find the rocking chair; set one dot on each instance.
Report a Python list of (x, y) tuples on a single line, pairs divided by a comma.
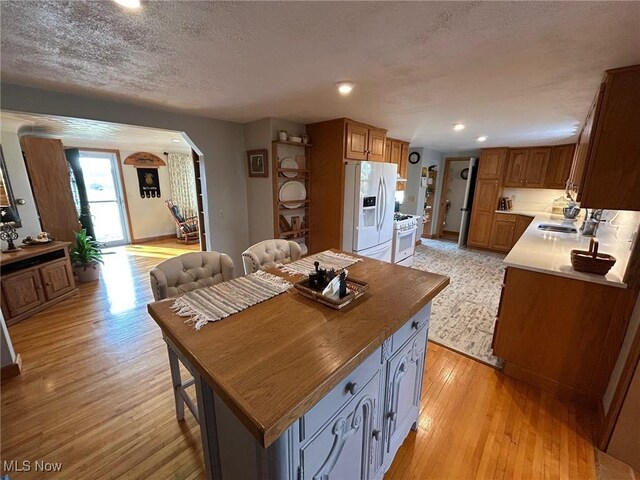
[(188, 228)]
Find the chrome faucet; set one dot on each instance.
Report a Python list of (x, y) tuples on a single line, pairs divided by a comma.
[(591, 222)]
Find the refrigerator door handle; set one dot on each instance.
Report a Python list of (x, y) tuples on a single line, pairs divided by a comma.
[(384, 201), (378, 205)]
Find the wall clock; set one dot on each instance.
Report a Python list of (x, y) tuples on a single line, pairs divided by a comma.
[(414, 157)]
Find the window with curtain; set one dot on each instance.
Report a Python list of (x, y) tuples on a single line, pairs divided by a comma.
[(183, 183)]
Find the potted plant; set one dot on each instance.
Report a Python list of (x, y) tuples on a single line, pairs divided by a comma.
[(86, 257)]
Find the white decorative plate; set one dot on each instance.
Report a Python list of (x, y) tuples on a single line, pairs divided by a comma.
[(291, 191), (289, 163)]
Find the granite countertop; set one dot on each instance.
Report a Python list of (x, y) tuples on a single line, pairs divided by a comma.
[(550, 252)]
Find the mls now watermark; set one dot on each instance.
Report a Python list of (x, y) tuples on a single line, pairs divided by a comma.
[(9, 466)]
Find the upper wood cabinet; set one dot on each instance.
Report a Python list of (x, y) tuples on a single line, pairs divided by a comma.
[(333, 142), (559, 166), (606, 166), (364, 142), (397, 151), (516, 167), (376, 143), (404, 160), (536, 171), (492, 163), (357, 144), (527, 167)]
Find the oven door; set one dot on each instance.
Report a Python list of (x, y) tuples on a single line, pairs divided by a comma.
[(405, 243)]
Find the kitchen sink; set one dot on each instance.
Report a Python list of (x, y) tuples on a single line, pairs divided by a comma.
[(551, 227)]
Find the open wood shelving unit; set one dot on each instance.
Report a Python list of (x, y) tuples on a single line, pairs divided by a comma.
[(279, 151)]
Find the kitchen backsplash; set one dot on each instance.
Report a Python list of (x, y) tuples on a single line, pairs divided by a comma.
[(625, 224), (532, 199)]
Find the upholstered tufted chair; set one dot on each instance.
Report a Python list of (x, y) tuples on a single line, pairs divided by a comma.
[(188, 272), (268, 253)]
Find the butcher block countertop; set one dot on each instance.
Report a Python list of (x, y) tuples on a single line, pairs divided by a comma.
[(272, 362)]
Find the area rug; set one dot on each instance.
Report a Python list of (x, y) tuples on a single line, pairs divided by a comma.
[(463, 315)]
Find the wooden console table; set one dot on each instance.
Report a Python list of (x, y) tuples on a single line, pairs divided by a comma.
[(34, 278)]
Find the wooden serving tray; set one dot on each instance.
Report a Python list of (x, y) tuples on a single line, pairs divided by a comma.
[(355, 288)]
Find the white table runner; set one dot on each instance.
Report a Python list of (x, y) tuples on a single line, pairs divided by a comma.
[(327, 259), (214, 303)]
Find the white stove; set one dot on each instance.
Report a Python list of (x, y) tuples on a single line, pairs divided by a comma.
[(405, 228)]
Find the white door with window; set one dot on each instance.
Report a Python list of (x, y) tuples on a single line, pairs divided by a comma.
[(106, 202)]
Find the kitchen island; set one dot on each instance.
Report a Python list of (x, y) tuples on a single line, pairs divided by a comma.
[(291, 389)]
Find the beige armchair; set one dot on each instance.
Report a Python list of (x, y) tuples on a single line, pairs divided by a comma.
[(188, 272), (268, 253)]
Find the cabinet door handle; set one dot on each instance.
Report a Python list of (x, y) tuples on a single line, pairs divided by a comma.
[(376, 434), (403, 368), (352, 387), (391, 416), (415, 325)]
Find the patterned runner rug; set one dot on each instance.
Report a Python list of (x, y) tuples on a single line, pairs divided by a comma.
[(214, 303), (327, 259), (463, 315)]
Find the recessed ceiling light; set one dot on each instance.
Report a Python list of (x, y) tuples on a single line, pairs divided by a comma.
[(482, 138), (345, 87), (128, 3), (176, 140), (458, 126)]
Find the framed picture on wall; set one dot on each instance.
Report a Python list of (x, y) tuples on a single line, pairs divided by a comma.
[(258, 163)]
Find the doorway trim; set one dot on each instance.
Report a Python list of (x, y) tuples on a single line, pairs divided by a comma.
[(120, 180), (443, 192)]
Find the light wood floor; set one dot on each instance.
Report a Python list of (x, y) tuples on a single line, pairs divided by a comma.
[(95, 394)]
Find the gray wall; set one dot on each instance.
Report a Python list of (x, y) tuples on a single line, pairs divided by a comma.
[(258, 135), (7, 355), (220, 144)]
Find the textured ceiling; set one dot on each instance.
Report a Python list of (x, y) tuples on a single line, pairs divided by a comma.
[(78, 132), (519, 72)]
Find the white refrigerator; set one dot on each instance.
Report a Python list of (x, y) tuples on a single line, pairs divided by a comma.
[(369, 200)]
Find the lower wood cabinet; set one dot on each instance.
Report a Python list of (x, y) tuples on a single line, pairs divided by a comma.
[(22, 292), (34, 278), (502, 232), (549, 336)]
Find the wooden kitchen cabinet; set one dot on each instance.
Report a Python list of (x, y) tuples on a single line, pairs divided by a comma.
[(536, 171), (364, 142), (502, 232), (335, 141), (485, 202), (527, 167), (559, 166), (357, 141), (605, 172), (516, 167), (375, 145), (399, 154), (492, 163), (549, 336), (522, 223)]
